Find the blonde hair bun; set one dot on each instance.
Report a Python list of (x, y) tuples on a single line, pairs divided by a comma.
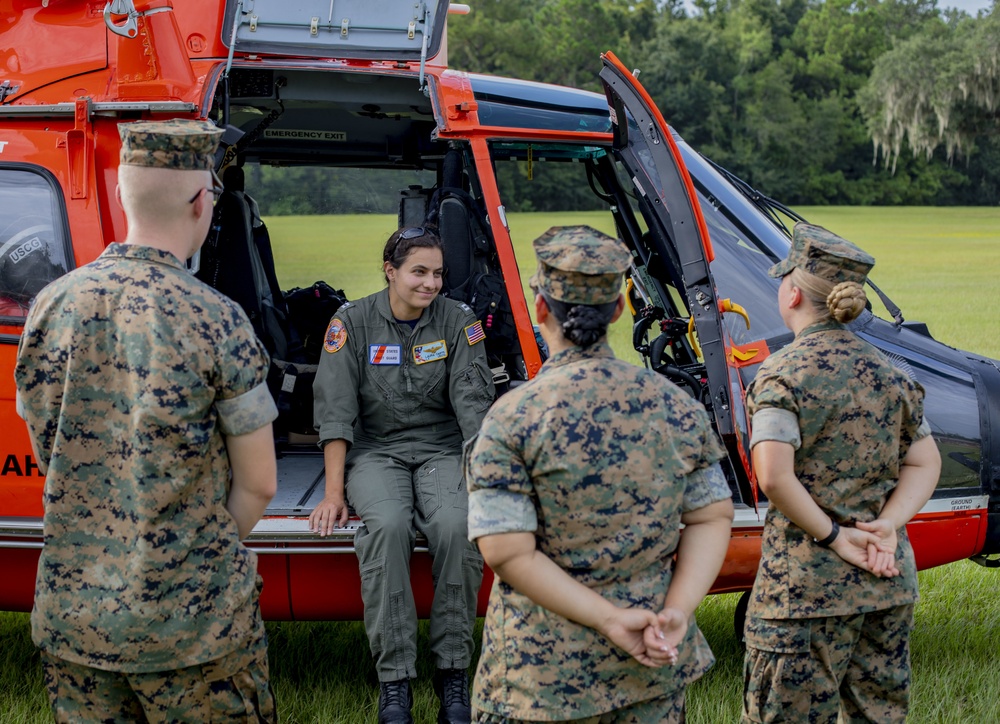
[(846, 301)]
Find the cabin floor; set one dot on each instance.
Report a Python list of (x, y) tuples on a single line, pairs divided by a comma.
[(301, 481)]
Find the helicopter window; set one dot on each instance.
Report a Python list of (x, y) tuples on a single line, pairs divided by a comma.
[(33, 244), (536, 106), (740, 273)]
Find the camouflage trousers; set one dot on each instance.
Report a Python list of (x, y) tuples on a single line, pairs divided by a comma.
[(816, 669), (665, 709), (231, 689)]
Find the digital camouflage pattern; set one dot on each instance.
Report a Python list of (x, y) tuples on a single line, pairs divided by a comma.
[(824, 254), (580, 265), (858, 415), (229, 690), (662, 710), (129, 372), (795, 668), (607, 456), (179, 144)]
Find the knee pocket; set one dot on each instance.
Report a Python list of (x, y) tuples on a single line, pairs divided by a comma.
[(777, 666), (238, 689), (780, 636)]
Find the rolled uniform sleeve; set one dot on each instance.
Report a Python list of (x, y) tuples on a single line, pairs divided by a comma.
[(471, 389), (706, 484), (501, 493), (243, 402), (773, 423), (774, 411), (704, 487), (914, 424), (338, 379)]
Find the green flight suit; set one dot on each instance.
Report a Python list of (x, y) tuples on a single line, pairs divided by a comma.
[(405, 400)]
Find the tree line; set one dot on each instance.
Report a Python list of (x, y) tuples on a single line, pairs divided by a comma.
[(811, 101), (853, 102)]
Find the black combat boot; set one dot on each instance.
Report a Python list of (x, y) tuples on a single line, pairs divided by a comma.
[(395, 699), (452, 688)]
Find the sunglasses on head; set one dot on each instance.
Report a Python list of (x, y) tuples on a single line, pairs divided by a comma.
[(412, 233)]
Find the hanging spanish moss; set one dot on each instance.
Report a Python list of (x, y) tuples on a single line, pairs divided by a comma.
[(932, 89)]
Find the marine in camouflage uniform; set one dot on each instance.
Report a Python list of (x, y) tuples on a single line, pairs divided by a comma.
[(133, 377), (599, 459), (822, 634)]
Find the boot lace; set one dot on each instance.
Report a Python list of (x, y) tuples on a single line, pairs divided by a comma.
[(454, 689), (395, 694)]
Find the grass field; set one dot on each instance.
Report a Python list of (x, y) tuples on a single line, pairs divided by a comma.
[(941, 266)]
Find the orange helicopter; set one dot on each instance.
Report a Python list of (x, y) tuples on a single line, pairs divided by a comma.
[(365, 89)]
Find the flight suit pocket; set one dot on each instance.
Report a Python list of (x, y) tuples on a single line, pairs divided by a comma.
[(477, 387), (427, 487)]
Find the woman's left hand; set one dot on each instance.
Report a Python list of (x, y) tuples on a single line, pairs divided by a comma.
[(868, 548), (626, 629), (882, 553)]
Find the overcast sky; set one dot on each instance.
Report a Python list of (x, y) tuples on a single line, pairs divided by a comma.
[(969, 6)]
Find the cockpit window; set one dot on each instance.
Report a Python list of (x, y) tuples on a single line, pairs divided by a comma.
[(33, 248), (740, 273)]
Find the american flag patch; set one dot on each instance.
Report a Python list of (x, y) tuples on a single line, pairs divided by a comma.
[(475, 333)]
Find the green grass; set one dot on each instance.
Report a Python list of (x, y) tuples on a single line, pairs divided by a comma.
[(322, 673), (941, 266)]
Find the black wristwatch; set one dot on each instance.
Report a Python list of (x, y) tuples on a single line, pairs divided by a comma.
[(826, 542)]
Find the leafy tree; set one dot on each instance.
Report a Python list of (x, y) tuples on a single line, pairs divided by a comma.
[(940, 87)]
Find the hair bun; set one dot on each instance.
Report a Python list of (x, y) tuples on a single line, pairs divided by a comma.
[(846, 301)]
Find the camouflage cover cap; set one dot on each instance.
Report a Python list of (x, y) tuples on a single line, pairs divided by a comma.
[(823, 253), (580, 265), (179, 144)]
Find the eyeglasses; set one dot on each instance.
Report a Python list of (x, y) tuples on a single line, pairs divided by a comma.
[(216, 193)]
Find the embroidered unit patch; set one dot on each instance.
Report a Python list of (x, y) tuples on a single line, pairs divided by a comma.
[(475, 333), (336, 336), (424, 353), (385, 354)]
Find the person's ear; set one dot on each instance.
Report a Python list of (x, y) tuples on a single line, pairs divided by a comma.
[(201, 201), (794, 296), (541, 309), (389, 270), (619, 308)]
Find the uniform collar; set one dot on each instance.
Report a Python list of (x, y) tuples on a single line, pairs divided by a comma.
[(600, 350), (382, 305), (824, 326), (143, 253)]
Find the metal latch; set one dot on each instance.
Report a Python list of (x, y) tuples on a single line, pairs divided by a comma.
[(122, 7), (411, 30), (344, 25), (314, 26), (253, 23), (6, 89)]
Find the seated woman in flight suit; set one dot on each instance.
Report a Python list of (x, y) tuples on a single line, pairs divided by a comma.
[(403, 381)]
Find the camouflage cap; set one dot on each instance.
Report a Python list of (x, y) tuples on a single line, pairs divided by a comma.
[(580, 265), (179, 144), (823, 253)]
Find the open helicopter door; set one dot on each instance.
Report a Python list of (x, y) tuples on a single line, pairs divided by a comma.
[(388, 30), (644, 145)]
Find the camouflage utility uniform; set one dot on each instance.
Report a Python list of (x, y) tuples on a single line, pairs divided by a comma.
[(598, 458), (851, 416), (129, 374), (404, 400)]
